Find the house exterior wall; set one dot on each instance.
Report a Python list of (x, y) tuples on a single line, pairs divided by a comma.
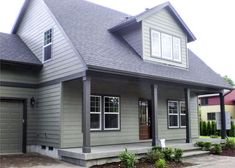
[(163, 22), (216, 108), (129, 92), (65, 61)]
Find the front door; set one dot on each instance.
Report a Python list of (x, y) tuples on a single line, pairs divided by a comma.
[(144, 119)]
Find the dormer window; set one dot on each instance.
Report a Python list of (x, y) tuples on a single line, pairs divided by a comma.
[(47, 45), (165, 46)]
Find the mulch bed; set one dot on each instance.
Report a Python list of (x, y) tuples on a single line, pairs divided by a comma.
[(145, 165), (228, 152)]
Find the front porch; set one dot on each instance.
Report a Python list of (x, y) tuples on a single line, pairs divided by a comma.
[(106, 154)]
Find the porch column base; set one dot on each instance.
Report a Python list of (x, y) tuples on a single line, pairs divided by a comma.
[(86, 149)]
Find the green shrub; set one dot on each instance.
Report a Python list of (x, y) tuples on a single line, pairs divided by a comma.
[(232, 131), (154, 155), (201, 128), (209, 128), (204, 129), (214, 136), (216, 149), (128, 159), (157, 148), (213, 128), (207, 146), (230, 144), (168, 153), (161, 163), (200, 144), (178, 153)]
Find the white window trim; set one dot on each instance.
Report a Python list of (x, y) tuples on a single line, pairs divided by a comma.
[(43, 55), (159, 42), (176, 114), (114, 113), (100, 113), (182, 114), (171, 51), (180, 58)]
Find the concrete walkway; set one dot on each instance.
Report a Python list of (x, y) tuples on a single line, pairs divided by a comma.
[(211, 161)]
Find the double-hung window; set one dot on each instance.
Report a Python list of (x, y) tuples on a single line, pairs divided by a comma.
[(106, 117), (47, 47), (165, 46), (211, 116), (111, 113), (95, 112), (173, 115), (176, 114)]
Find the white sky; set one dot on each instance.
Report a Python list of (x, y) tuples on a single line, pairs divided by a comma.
[(211, 21)]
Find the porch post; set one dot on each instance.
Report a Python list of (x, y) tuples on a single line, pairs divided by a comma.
[(86, 148), (154, 97), (222, 113), (188, 115)]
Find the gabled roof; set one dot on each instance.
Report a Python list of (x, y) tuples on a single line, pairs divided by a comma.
[(14, 50), (86, 24), (138, 18)]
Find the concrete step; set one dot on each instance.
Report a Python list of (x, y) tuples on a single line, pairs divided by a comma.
[(195, 153), (192, 148)]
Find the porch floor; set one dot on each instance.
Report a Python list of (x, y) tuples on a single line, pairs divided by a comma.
[(109, 153)]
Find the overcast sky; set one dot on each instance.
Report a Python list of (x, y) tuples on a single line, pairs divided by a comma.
[(211, 21)]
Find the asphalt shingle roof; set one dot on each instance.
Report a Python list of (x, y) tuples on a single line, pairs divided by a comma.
[(13, 49), (87, 24)]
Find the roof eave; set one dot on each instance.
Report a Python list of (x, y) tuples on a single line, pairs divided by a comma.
[(39, 65)]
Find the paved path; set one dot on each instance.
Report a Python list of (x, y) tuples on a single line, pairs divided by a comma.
[(212, 161)]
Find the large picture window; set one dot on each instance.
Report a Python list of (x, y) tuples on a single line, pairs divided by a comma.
[(165, 46), (95, 112), (106, 118), (176, 114)]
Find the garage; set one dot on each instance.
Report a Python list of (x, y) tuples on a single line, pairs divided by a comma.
[(12, 126)]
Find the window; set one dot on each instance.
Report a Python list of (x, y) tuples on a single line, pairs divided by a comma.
[(47, 45), (95, 112), (182, 114), (173, 114), (111, 113), (176, 114), (211, 116), (204, 101), (165, 46)]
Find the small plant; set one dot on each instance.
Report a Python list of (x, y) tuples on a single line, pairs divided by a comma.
[(230, 144), (214, 136), (161, 163), (207, 146), (200, 144), (178, 153), (168, 154), (154, 155), (157, 148), (216, 149), (128, 159)]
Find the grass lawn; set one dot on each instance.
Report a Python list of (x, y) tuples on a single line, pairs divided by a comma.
[(233, 138)]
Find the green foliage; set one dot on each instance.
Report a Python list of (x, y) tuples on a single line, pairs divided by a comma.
[(214, 136), (201, 128), (216, 149), (178, 153), (204, 129), (128, 159), (230, 144), (209, 128), (232, 131), (207, 146), (229, 80), (161, 163), (157, 148), (168, 154), (213, 128), (154, 155), (200, 144)]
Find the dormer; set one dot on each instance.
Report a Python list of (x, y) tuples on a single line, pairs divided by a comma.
[(158, 35)]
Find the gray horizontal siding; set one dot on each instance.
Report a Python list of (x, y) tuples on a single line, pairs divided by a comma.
[(163, 22), (25, 93), (129, 93), (48, 115), (64, 61)]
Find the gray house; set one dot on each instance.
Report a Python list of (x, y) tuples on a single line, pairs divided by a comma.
[(78, 75)]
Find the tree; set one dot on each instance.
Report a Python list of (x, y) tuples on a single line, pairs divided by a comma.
[(204, 128), (229, 80), (209, 128)]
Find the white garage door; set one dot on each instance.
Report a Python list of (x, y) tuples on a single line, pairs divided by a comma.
[(11, 127)]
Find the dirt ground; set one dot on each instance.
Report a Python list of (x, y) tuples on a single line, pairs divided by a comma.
[(32, 161)]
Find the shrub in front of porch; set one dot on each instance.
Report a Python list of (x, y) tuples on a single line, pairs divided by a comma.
[(128, 159)]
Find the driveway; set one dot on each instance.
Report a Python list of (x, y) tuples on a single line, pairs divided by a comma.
[(32, 161), (211, 161)]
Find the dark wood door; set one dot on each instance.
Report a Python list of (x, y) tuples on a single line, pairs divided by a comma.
[(144, 119)]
